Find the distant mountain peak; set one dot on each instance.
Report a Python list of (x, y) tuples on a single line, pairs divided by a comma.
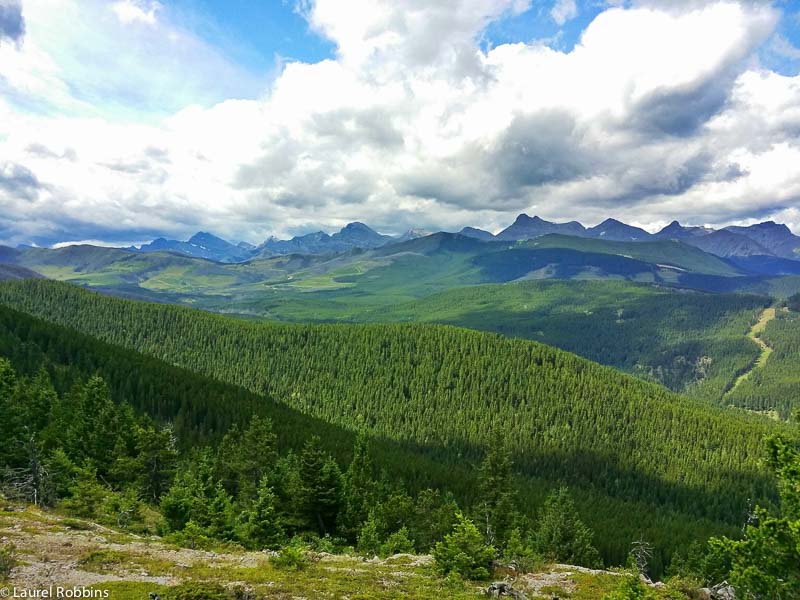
[(525, 227), (476, 233), (612, 229), (357, 226), (205, 237)]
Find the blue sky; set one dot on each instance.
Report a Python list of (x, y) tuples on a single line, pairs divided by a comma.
[(255, 33), (123, 120)]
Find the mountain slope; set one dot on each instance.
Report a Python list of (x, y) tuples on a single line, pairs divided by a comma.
[(479, 234), (686, 341), (16, 272), (661, 252), (775, 237), (727, 244), (443, 387)]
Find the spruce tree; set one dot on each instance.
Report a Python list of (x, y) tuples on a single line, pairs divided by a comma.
[(561, 535), (358, 489), (321, 482), (464, 551), (260, 525), (496, 509)]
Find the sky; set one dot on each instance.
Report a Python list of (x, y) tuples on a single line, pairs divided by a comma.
[(126, 120)]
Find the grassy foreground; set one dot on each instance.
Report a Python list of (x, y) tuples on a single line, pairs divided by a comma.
[(52, 550)]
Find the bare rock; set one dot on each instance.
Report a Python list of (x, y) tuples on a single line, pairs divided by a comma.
[(502, 589)]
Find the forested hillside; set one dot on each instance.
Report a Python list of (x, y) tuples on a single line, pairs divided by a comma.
[(443, 389), (774, 386), (687, 341)]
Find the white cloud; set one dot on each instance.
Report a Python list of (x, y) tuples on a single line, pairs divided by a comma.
[(563, 11), (413, 124), (131, 11)]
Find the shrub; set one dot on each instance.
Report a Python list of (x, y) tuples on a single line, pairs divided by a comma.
[(398, 543), (7, 561), (191, 536), (76, 525), (519, 554), (369, 540), (101, 561), (290, 558), (631, 588), (463, 551), (198, 590)]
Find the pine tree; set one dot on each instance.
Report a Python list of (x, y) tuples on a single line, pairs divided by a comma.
[(766, 563), (369, 538), (464, 551), (434, 517), (154, 464), (561, 535), (321, 487), (260, 525), (496, 509), (358, 489)]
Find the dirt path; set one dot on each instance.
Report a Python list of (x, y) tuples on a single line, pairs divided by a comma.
[(755, 331)]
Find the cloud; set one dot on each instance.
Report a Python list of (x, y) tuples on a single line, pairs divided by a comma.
[(563, 11), (18, 181), (131, 11), (12, 24), (412, 123), (121, 60), (783, 47)]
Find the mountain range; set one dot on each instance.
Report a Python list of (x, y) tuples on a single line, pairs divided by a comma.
[(768, 239)]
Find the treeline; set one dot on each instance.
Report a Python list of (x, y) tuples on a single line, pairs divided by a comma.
[(100, 460), (628, 447)]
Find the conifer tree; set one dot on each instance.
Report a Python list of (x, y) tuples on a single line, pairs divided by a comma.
[(321, 482), (766, 563), (260, 524), (358, 489), (561, 535), (496, 509), (464, 551)]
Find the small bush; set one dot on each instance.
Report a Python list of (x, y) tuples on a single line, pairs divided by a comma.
[(76, 525), (631, 588), (290, 558), (192, 536), (7, 561), (101, 561), (463, 552), (198, 590), (519, 554), (398, 543)]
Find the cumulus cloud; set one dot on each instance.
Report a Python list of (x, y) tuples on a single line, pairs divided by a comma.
[(12, 24), (131, 11), (658, 112)]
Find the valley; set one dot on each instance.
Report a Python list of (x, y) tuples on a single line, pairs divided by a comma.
[(386, 342), (755, 335), (568, 415), (657, 307)]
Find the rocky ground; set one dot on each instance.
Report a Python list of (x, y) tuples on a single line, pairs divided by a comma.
[(53, 551)]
